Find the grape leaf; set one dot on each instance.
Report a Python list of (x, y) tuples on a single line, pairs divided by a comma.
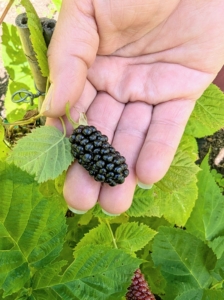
[(132, 236), (17, 67), (174, 196), (32, 227), (45, 152), (200, 294), (36, 36), (206, 221), (185, 261), (96, 273), (208, 114)]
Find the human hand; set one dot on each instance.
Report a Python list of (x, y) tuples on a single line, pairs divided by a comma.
[(153, 61)]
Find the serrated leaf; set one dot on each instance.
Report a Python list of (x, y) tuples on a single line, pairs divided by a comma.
[(17, 67), (206, 221), (208, 114), (132, 236), (45, 275), (97, 273), (185, 261), (97, 236), (218, 272), (201, 295), (32, 226), (142, 202), (183, 169), (45, 152), (175, 206), (217, 245), (174, 196), (36, 36)]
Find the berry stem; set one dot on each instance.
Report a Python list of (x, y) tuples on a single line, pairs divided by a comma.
[(63, 125), (82, 117), (68, 115)]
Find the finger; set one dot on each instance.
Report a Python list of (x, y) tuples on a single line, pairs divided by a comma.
[(72, 50), (82, 105), (128, 140), (81, 191), (165, 131)]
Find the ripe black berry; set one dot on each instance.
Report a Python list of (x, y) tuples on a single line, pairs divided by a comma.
[(92, 150), (139, 289)]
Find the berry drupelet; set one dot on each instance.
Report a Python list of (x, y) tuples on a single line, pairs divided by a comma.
[(139, 289), (92, 150)]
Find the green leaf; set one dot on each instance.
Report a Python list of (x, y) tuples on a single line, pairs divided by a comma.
[(4, 150), (206, 221), (174, 196), (45, 152), (36, 36), (142, 202), (18, 69), (208, 114), (185, 261), (97, 236), (200, 294), (183, 169), (217, 246), (132, 236), (97, 273), (45, 275), (31, 227)]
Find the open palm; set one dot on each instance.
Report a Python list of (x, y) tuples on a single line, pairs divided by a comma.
[(137, 70)]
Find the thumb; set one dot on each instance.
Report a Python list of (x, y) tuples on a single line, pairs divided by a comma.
[(71, 52)]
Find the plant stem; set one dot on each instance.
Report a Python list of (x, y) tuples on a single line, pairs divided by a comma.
[(111, 232), (68, 115), (63, 125), (8, 6), (217, 284)]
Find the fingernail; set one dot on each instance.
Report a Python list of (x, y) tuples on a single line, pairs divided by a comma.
[(109, 214), (78, 212), (46, 105), (145, 186)]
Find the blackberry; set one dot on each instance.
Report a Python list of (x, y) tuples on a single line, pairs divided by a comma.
[(139, 289), (92, 150)]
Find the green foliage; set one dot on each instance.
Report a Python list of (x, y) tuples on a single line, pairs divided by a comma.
[(130, 237), (4, 150), (17, 67), (206, 221), (208, 114), (202, 295), (94, 274), (36, 37), (174, 196), (32, 227), (185, 261), (45, 152)]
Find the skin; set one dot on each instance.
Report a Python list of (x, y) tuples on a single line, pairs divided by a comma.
[(136, 69)]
